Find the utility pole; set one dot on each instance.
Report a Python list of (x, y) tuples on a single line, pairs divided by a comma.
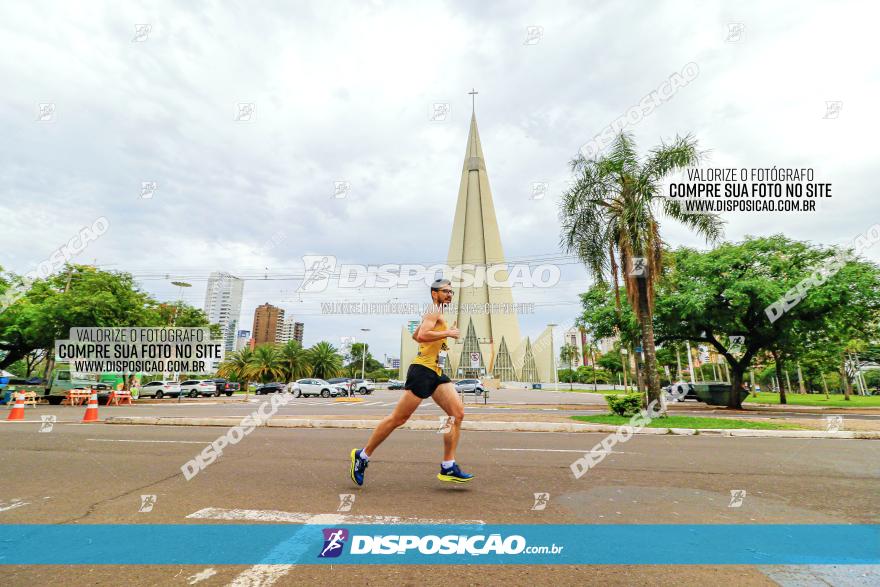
[(801, 387), (678, 363), (364, 354), (180, 285), (593, 360), (553, 356), (690, 361)]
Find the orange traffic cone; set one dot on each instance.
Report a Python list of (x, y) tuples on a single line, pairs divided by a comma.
[(92, 409), (17, 412)]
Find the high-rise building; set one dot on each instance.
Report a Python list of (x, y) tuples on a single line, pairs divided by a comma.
[(242, 337), (573, 338), (223, 306), (291, 330), (268, 324)]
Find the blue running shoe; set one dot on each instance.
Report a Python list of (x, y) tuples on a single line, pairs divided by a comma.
[(453, 475), (358, 466)]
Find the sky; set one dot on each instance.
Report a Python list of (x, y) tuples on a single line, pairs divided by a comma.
[(100, 100)]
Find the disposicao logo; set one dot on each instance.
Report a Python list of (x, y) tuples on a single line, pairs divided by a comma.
[(334, 541)]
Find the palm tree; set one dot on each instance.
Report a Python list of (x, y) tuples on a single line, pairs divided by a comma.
[(325, 360), (265, 364), (567, 355), (610, 215), (294, 360), (236, 366)]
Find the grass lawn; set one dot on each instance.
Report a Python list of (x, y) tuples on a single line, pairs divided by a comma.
[(690, 422), (818, 399)]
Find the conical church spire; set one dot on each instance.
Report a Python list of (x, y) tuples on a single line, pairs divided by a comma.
[(476, 245)]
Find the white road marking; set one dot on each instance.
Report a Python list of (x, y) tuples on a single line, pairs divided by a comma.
[(266, 575), (306, 518), (157, 441), (563, 450), (15, 503), (260, 576), (206, 574)]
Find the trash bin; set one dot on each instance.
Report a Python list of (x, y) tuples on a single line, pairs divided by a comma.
[(536, 386)]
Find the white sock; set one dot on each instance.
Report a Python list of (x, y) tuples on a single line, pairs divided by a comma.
[(447, 464), (364, 455)]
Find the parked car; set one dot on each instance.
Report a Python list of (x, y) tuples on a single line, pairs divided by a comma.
[(395, 384), (469, 386), (362, 386), (271, 388), (159, 389), (223, 386), (343, 381), (316, 387), (197, 387)]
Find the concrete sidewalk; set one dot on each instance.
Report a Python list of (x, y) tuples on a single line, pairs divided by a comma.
[(422, 423)]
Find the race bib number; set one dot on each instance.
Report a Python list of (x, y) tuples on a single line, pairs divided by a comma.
[(441, 359)]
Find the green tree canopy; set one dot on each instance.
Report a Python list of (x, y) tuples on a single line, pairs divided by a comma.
[(726, 292), (325, 360)]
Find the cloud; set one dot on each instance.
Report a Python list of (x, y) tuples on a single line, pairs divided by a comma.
[(343, 92)]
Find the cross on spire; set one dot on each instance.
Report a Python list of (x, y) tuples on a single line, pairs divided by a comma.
[(473, 94)]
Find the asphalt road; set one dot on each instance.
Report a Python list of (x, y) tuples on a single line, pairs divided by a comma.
[(86, 474), (382, 402)]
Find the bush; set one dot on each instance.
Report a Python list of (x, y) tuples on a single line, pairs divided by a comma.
[(567, 376), (585, 375), (625, 404)]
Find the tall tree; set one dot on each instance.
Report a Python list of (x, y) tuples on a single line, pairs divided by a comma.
[(265, 364), (237, 366), (294, 360), (325, 360), (567, 355), (721, 297), (80, 296), (611, 214)]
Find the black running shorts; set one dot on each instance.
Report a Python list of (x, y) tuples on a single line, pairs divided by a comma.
[(422, 380)]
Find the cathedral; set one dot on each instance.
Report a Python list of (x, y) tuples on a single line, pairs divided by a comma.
[(490, 345)]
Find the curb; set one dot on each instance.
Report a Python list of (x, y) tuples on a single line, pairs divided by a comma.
[(483, 426)]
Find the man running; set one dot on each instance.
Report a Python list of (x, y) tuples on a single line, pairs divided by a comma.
[(424, 379)]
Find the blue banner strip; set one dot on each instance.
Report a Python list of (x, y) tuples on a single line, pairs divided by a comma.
[(247, 544)]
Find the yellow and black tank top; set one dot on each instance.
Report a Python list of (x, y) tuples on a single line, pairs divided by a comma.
[(429, 352)]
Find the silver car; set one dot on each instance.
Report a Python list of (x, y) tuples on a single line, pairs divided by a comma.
[(362, 386), (469, 386), (159, 389), (197, 387), (316, 387)]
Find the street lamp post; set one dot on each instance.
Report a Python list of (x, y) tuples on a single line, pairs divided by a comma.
[(553, 355), (364, 354), (180, 285)]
